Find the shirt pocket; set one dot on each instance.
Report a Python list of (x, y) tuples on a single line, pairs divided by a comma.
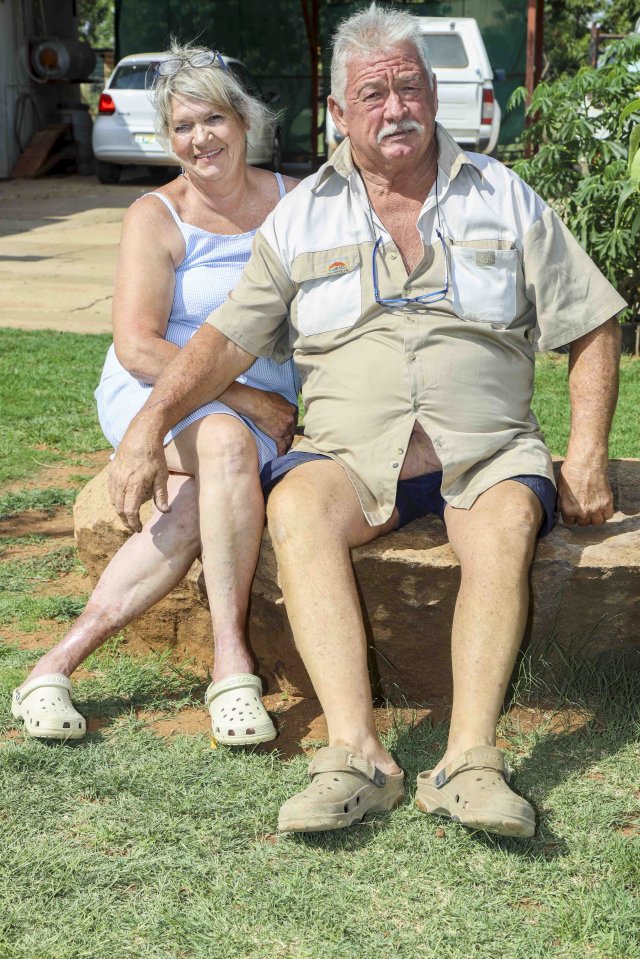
[(484, 283), (329, 290)]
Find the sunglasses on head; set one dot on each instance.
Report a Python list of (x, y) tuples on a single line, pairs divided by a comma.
[(171, 66)]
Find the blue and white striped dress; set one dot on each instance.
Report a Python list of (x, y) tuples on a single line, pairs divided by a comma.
[(211, 268)]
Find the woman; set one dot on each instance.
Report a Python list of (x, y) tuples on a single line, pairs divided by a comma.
[(183, 248)]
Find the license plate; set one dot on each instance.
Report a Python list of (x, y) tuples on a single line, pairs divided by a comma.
[(145, 138)]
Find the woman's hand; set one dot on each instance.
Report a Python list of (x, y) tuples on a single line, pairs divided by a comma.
[(276, 417), (271, 413)]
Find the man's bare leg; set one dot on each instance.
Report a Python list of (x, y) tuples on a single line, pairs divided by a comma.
[(145, 568), (494, 542), (315, 519)]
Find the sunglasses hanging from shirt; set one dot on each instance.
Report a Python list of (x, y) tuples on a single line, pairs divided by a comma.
[(401, 301)]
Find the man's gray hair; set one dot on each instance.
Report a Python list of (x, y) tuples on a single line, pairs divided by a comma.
[(371, 31), (212, 84)]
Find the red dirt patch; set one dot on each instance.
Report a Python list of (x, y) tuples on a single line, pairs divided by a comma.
[(523, 719), (629, 826), (57, 523), (60, 475), (187, 722)]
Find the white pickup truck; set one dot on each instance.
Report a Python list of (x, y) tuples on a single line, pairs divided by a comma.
[(467, 105)]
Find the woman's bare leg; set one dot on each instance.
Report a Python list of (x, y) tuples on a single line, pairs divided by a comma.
[(220, 452), (144, 570)]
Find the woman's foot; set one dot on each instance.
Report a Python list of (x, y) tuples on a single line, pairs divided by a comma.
[(44, 705), (238, 716)]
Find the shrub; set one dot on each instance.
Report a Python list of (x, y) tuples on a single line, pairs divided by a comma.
[(585, 131)]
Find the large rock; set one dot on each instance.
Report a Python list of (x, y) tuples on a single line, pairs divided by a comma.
[(586, 596)]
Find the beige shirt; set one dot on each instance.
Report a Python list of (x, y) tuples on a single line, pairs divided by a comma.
[(463, 367)]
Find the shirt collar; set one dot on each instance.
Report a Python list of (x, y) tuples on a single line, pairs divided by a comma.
[(451, 159)]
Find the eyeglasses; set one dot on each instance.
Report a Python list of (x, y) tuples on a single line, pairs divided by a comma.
[(402, 301), (168, 68)]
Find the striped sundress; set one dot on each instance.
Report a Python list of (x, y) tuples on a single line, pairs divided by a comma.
[(211, 268)]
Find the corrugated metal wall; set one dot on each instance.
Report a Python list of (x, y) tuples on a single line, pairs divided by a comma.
[(270, 36)]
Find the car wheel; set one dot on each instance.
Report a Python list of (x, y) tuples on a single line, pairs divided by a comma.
[(276, 153), (108, 172)]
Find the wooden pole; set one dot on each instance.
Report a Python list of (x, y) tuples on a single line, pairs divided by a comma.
[(310, 14)]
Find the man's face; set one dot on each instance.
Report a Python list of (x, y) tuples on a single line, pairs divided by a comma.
[(390, 108)]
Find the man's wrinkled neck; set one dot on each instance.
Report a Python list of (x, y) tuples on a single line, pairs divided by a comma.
[(412, 178)]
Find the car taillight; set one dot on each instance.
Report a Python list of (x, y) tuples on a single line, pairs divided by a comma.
[(106, 104), (487, 106)]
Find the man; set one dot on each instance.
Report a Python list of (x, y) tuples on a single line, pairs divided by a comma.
[(418, 280)]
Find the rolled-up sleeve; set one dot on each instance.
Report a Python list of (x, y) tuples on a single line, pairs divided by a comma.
[(570, 294), (255, 315)]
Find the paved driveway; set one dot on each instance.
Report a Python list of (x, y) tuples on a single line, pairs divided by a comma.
[(58, 247)]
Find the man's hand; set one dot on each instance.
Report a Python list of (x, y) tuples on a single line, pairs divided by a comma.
[(584, 495), (277, 418), (138, 471)]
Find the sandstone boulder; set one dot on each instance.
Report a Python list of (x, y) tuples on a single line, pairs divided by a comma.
[(585, 584)]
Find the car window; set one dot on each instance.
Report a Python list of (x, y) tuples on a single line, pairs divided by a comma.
[(129, 76), (445, 50)]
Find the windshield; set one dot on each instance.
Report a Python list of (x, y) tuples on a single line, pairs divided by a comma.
[(129, 76), (445, 50)]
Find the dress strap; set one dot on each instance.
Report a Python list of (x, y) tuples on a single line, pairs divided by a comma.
[(168, 205), (281, 185)]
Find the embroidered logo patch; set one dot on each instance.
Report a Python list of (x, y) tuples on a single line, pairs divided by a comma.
[(486, 258), (338, 266)]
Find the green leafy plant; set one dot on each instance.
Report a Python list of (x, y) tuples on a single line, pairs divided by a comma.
[(585, 132)]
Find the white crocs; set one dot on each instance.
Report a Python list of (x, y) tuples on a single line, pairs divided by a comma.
[(44, 705), (238, 717)]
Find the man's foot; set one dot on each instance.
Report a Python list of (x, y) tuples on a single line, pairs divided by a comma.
[(344, 788), (473, 790)]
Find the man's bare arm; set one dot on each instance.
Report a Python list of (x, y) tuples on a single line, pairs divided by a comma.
[(584, 493), (200, 372)]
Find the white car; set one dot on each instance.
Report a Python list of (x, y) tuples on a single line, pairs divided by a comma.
[(124, 132), (467, 106)]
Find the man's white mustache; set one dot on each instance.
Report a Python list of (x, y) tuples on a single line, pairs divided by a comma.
[(404, 126)]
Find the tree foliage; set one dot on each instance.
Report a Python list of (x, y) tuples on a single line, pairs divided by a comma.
[(586, 130), (96, 22), (567, 34)]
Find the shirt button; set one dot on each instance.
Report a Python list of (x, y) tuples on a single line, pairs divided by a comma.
[(410, 319), (411, 357), (399, 451), (416, 406), (395, 465), (393, 256)]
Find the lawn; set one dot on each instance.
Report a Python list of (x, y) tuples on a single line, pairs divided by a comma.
[(134, 844)]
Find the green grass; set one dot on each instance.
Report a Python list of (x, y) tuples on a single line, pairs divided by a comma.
[(46, 395), (551, 406), (20, 576), (130, 846), (46, 499)]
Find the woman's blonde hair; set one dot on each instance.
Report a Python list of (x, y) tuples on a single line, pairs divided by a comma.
[(212, 84)]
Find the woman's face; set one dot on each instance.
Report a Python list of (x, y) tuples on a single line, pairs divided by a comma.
[(208, 140)]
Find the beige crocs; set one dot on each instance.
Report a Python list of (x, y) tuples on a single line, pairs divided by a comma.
[(344, 788), (44, 705), (238, 716), (474, 791)]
